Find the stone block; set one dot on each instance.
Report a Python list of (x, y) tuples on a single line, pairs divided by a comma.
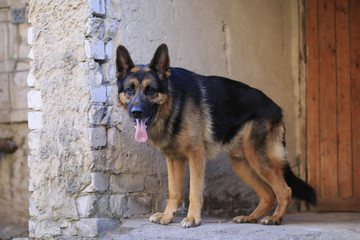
[(106, 120), (118, 205), (95, 74), (111, 27), (97, 7), (4, 92), (31, 79), (93, 227), (99, 160), (97, 137), (108, 50), (31, 185), (109, 94), (31, 54), (98, 94), (152, 184), (95, 49), (109, 72), (86, 227), (30, 36), (34, 140), (19, 90), (85, 206), (95, 28), (127, 183), (99, 181), (7, 66), (34, 99), (47, 229), (96, 114), (32, 228), (32, 208), (113, 9), (139, 205), (35, 120)]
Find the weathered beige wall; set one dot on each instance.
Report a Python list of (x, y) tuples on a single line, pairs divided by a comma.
[(14, 65), (252, 41), (86, 171)]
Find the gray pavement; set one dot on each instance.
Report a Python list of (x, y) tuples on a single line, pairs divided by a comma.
[(308, 226)]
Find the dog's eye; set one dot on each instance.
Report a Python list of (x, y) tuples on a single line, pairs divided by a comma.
[(130, 91), (149, 90)]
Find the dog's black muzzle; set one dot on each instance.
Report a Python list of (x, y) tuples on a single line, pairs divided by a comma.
[(137, 112)]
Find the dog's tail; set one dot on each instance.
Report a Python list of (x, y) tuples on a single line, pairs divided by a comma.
[(300, 189)]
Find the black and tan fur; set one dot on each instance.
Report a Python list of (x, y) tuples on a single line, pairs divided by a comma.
[(190, 117)]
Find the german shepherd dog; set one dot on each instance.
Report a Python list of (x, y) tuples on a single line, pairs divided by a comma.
[(190, 117)]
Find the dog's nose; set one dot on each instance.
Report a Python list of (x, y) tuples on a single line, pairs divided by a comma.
[(137, 112)]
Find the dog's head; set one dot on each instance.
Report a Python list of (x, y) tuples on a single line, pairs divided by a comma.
[(143, 89)]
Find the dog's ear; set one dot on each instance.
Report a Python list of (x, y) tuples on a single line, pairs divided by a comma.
[(123, 61), (161, 61)]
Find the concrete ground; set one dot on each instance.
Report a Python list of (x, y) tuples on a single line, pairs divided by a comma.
[(308, 226)]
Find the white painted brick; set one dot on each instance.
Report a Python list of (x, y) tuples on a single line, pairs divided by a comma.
[(97, 137), (85, 206), (34, 140), (97, 7), (31, 80), (95, 49), (30, 35), (98, 94), (34, 99), (35, 120)]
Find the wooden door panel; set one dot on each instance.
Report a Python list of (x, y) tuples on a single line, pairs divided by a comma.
[(333, 102)]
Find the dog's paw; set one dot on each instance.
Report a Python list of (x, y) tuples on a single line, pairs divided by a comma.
[(190, 222), (245, 219), (271, 220), (161, 218)]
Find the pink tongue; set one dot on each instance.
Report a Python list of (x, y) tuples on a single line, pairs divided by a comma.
[(141, 134)]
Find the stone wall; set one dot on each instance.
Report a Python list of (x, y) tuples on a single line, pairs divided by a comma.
[(86, 172), (14, 180)]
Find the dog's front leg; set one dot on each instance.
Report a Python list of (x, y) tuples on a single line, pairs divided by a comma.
[(176, 170), (196, 166)]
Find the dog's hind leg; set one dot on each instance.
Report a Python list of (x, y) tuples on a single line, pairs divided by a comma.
[(262, 189), (267, 159), (176, 171)]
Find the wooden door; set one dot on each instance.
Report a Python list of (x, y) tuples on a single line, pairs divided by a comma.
[(332, 29)]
